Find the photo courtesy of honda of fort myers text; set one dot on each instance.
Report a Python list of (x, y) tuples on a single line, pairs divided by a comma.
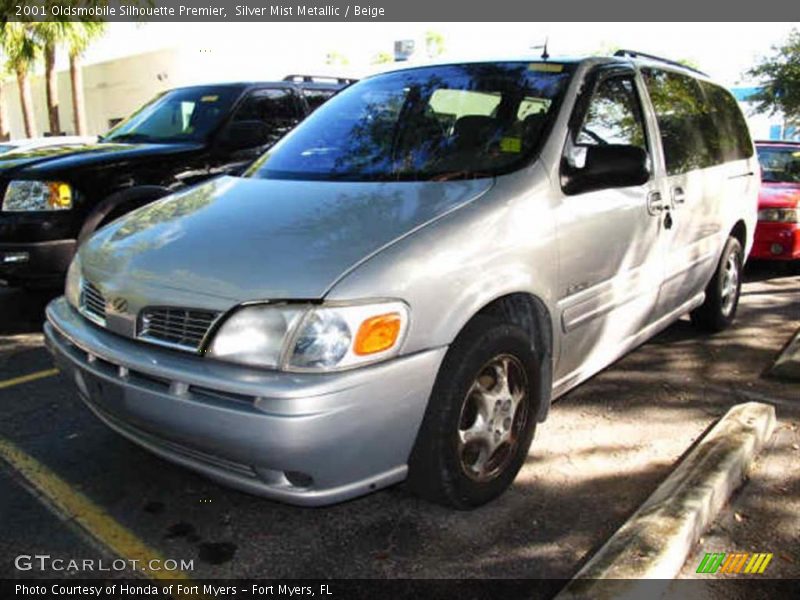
[(406, 300)]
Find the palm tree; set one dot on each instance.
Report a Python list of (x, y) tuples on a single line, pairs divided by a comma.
[(4, 134), (78, 36), (21, 49), (51, 34)]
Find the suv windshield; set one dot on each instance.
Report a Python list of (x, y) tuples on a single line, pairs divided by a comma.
[(429, 123), (183, 115), (779, 165)]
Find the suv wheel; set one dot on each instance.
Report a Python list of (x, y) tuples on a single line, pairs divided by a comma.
[(722, 294), (480, 419)]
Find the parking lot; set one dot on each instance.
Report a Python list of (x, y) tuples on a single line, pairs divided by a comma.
[(604, 449)]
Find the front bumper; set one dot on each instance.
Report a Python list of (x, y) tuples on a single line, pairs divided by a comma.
[(306, 439), (42, 263), (776, 241)]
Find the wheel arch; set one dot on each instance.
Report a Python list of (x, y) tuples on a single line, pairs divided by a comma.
[(530, 313), (739, 231), (128, 199)]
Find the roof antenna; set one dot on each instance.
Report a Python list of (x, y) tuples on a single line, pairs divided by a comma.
[(545, 54)]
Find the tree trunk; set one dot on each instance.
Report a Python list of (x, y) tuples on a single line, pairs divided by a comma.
[(26, 102), (76, 80), (3, 116), (52, 88)]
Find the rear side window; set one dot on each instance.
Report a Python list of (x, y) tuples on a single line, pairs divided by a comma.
[(688, 131), (316, 98), (277, 108), (733, 137)]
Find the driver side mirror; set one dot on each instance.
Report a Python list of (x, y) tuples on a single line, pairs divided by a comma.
[(606, 166), (240, 135)]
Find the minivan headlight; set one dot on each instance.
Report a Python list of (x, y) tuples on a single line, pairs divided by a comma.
[(302, 337), (29, 195), (72, 290)]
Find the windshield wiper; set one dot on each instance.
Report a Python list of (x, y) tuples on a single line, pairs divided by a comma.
[(129, 137), (454, 175)]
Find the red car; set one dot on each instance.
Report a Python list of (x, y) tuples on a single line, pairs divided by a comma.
[(778, 231)]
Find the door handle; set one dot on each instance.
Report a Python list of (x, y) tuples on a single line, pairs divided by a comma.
[(655, 203), (678, 195)]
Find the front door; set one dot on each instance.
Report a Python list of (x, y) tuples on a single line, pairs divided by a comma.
[(279, 109), (610, 256)]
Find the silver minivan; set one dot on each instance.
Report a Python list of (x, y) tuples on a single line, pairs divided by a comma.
[(402, 286)]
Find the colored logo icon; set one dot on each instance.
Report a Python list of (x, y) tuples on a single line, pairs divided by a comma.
[(734, 563)]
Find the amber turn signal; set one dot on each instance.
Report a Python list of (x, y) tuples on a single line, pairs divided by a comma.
[(60, 195), (377, 334)]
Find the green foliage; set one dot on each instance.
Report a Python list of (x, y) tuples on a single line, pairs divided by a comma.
[(20, 45), (382, 58), (779, 76), (336, 59), (434, 43)]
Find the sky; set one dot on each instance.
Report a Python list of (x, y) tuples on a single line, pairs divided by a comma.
[(724, 50)]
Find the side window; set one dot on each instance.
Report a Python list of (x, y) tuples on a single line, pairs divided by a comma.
[(688, 131), (316, 98), (733, 137), (614, 116), (276, 108)]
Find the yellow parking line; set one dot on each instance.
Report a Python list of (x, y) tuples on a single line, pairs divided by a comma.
[(27, 378), (71, 505)]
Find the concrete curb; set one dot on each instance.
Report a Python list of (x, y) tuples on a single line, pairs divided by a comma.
[(657, 538), (788, 364)]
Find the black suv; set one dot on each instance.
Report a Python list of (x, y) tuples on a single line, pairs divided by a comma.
[(53, 198)]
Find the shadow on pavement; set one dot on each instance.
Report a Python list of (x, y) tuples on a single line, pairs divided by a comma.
[(22, 311), (761, 270)]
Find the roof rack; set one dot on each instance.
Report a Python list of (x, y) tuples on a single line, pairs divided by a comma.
[(301, 78), (780, 142), (666, 61)]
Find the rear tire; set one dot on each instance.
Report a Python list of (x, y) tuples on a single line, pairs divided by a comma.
[(480, 419), (722, 293)]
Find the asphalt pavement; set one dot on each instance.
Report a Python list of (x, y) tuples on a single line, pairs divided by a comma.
[(606, 446)]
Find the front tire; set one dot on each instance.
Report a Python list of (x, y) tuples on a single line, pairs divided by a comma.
[(481, 417), (722, 294)]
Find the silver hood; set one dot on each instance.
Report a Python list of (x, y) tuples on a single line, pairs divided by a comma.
[(239, 239)]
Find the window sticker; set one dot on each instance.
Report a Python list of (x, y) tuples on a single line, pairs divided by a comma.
[(511, 144), (546, 67), (209, 98)]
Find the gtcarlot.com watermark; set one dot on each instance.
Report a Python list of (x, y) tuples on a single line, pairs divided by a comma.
[(45, 562)]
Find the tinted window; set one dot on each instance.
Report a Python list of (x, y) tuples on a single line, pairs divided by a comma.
[(315, 98), (445, 122), (188, 114), (779, 164), (275, 108), (732, 140), (688, 132), (614, 116)]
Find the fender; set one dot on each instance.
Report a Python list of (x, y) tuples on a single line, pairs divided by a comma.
[(128, 198)]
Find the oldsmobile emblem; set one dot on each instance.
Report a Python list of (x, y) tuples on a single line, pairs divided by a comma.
[(118, 305)]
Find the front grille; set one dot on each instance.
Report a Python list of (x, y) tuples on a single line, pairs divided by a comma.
[(93, 303), (182, 328)]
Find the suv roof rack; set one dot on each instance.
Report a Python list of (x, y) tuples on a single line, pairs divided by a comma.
[(301, 78), (653, 57)]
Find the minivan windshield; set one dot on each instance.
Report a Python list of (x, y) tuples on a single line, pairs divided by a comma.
[(779, 165), (182, 115), (429, 123)]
